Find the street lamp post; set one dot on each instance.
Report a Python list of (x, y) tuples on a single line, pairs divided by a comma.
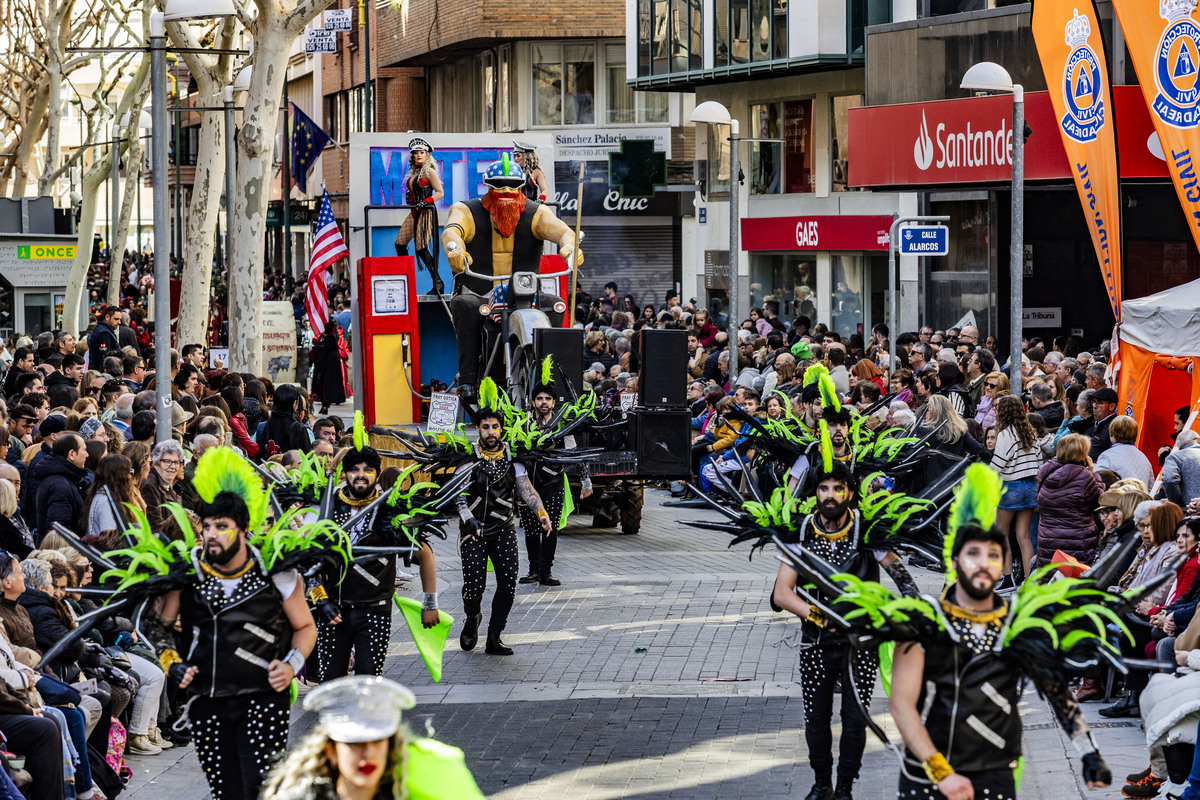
[(162, 245), (713, 113), (987, 76)]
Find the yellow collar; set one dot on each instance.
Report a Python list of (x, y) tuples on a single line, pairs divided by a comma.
[(979, 617), (833, 536), (211, 571), (354, 502)]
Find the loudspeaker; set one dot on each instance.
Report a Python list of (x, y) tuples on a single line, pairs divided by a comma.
[(566, 345), (662, 379), (663, 442)]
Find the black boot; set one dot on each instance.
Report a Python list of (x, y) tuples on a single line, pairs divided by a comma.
[(496, 647), (844, 790), (532, 577), (438, 286), (821, 790), (470, 632), (550, 580), (1127, 706)]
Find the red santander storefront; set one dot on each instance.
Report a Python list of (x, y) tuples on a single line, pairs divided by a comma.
[(956, 155)]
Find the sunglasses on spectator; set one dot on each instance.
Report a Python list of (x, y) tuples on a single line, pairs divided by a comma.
[(992, 385)]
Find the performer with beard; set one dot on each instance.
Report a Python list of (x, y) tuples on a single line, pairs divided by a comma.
[(422, 188), (356, 613), (487, 526), (835, 532), (496, 234), (245, 632), (962, 658), (551, 487)]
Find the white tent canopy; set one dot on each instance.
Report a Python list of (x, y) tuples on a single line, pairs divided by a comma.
[(1167, 322)]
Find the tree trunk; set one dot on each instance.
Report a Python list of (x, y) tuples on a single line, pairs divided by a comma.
[(255, 140), (202, 217), (133, 174), (77, 281)]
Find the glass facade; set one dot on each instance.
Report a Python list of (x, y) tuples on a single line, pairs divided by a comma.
[(962, 281), (798, 150), (839, 149), (788, 278), (766, 158)]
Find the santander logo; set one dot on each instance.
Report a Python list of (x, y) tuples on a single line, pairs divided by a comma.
[(923, 147)]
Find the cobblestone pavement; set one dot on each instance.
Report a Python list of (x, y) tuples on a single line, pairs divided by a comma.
[(656, 670)]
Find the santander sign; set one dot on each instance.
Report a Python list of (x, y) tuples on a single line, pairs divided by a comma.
[(969, 148)]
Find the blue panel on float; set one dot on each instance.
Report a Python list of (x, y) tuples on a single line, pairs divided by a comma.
[(383, 243)]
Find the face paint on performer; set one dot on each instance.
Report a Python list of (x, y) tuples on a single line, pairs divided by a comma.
[(221, 539), (979, 566), (360, 480), (833, 499), (489, 433), (543, 405)]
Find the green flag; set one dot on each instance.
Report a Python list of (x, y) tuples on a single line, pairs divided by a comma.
[(438, 771), (430, 641), (568, 503), (885, 666)]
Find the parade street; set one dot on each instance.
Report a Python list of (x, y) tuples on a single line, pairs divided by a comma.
[(656, 670)]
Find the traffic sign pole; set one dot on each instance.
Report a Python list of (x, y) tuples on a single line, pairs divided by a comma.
[(893, 281)]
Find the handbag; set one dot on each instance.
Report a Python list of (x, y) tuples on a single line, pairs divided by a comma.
[(57, 693)]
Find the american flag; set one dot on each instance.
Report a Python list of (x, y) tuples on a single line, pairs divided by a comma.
[(328, 248)]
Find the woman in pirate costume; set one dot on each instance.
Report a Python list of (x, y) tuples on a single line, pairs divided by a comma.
[(361, 751), (964, 656), (422, 189), (525, 155), (245, 627)]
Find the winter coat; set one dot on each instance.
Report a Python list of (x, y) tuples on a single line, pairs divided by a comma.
[(155, 493), (1170, 708), (1181, 475), (102, 342), (1127, 462), (49, 629), (1053, 414), (59, 493), (1068, 495)]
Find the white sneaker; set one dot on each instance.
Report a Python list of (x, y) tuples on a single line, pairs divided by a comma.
[(402, 576), (156, 738), (142, 746), (1171, 791)]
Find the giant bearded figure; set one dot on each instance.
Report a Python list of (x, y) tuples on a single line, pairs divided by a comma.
[(518, 226)]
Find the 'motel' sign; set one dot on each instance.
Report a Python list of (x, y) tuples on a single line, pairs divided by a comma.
[(461, 171)]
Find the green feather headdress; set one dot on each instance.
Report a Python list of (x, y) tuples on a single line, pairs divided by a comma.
[(975, 502), (547, 370), (489, 395), (360, 432), (813, 373), (826, 445), (222, 470), (829, 398)]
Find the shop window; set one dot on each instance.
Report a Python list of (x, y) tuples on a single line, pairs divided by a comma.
[(564, 84), (766, 158), (645, 24), (503, 93), (846, 299), (721, 33), (961, 282), (786, 278), (779, 28), (798, 150), (839, 147), (718, 160), (620, 110), (652, 107), (487, 77)]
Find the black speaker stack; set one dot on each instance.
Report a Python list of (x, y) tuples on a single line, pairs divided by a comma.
[(661, 425), (566, 345)]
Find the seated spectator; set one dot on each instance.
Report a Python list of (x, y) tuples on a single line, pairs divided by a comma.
[(112, 489), (1068, 496), (61, 478), (1123, 457), (167, 467)]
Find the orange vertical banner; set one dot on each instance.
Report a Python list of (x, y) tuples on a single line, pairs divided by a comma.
[(1072, 56), (1164, 44)]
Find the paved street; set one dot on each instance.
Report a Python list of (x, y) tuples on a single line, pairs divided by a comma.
[(656, 670)]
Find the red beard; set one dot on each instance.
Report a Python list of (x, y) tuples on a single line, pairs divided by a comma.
[(505, 209)]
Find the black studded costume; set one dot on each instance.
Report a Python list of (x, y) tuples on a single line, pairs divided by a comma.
[(363, 597), (490, 503), (232, 628), (825, 654)]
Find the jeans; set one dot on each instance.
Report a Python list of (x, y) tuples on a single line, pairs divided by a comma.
[(38, 739), (144, 715), (83, 770)]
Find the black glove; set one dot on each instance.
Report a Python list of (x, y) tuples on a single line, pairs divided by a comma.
[(326, 610), (177, 671), (1095, 770)]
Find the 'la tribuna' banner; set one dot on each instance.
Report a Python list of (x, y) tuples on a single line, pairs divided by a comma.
[(1072, 56), (1164, 44)]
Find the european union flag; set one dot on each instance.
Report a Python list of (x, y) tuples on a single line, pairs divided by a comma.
[(308, 140)]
